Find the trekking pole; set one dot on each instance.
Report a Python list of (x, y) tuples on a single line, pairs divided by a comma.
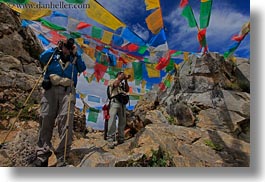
[(27, 99), (68, 113)]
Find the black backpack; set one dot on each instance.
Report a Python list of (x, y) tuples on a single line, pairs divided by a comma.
[(121, 97), (109, 92)]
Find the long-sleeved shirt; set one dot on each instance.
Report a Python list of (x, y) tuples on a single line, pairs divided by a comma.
[(56, 67)]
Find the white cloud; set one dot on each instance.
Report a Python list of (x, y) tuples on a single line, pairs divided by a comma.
[(224, 22), (180, 34), (123, 9)]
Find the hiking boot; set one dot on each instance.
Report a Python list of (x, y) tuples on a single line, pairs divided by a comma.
[(38, 163), (111, 145), (120, 142), (61, 162)]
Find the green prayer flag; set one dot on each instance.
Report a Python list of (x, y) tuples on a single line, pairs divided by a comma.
[(137, 82), (188, 13), (138, 70), (167, 83), (134, 97), (16, 1), (75, 35), (146, 60), (96, 32), (112, 71), (75, 1), (67, 35), (93, 115), (170, 66), (205, 13), (231, 50), (142, 49), (176, 53), (51, 25)]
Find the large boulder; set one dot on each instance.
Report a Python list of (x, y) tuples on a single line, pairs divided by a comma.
[(159, 145)]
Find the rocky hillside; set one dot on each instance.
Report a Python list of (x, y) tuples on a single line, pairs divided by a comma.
[(19, 71), (19, 67), (202, 120)]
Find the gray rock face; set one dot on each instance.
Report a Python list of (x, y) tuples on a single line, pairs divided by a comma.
[(19, 69), (218, 103), (15, 40), (209, 97), (182, 146)]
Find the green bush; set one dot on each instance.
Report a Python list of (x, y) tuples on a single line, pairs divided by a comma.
[(212, 145)]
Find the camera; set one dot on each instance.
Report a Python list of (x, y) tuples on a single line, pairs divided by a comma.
[(69, 44)]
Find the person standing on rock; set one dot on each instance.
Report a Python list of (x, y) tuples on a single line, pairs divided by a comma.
[(118, 88), (59, 84)]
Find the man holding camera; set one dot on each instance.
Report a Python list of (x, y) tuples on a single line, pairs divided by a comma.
[(118, 86), (56, 104)]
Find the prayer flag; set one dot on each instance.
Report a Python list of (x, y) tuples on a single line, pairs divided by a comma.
[(98, 13), (188, 14), (152, 4), (154, 21), (205, 13)]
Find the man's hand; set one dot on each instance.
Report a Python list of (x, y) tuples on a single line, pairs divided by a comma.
[(74, 51), (126, 77)]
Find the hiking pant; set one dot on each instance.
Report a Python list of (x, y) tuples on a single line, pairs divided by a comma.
[(116, 108), (54, 109)]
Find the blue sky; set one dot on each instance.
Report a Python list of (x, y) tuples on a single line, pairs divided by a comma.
[(226, 20)]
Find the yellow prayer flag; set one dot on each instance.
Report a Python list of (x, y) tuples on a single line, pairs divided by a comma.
[(185, 56), (119, 64), (103, 16), (143, 86), (233, 59), (107, 37), (129, 71), (82, 96), (152, 4), (127, 58), (143, 83), (80, 41), (203, 1), (152, 72), (245, 28), (34, 13), (90, 51), (90, 79), (176, 66), (154, 21), (13, 7)]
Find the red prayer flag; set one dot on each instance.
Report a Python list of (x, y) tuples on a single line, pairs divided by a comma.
[(56, 37), (133, 47), (202, 39), (183, 3), (201, 34), (100, 70), (238, 38), (82, 25), (162, 86), (99, 48), (163, 62)]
